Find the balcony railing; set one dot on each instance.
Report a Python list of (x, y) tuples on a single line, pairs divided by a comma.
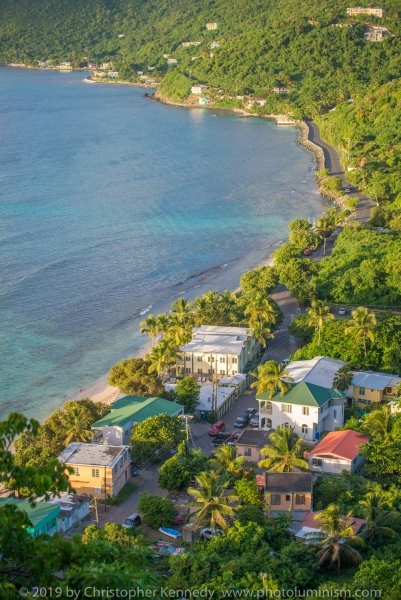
[(266, 410)]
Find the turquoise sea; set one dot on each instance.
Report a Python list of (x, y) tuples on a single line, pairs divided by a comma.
[(112, 207)]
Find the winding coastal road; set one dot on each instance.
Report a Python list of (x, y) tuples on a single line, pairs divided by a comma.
[(332, 162)]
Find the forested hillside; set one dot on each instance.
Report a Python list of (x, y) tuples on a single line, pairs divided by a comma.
[(262, 44)]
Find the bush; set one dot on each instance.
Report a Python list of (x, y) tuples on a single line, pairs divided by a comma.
[(156, 511)]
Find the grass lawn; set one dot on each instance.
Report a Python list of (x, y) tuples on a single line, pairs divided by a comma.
[(122, 495)]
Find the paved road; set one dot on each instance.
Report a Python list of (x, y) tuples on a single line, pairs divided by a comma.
[(333, 163)]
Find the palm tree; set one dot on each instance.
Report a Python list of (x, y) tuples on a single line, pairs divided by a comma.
[(149, 326), (162, 323), (261, 309), (363, 324), (283, 452), (335, 538), (177, 331), (379, 423), (318, 314), (225, 459), (375, 511), (199, 309), (212, 502), (261, 333), (272, 377), (76, 425), (162, 356), (182, 309), (343, 378)]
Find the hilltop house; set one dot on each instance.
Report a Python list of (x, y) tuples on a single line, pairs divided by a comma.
[(99, 470), (42, 515), (65, 66), (289, 491), (280, 90), (210, 26), (252, 101), (112, 74), (172, 61), (309, 408), (115, 428), (186, 44), (360, 10), (218, 351), (371, 33), (336, 452), (199, 89), (215, 45)]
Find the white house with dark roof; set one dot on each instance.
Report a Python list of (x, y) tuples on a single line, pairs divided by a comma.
[(218, 351)]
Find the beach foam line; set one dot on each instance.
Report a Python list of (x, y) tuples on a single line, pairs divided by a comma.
[(145, 310)]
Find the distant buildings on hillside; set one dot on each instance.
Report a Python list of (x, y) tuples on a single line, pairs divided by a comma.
[(210, 26), (359, 10), (372, 33)]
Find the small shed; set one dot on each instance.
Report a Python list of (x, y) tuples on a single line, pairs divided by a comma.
[(191, 532)]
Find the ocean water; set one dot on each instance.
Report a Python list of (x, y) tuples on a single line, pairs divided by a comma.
[(112, 207)]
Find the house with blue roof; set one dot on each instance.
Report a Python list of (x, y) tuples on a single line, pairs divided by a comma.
[(115, 428)]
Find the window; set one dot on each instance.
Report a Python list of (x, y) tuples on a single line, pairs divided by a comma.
[(222, 372), (76, 471), (304, 429), (248, 452), (126, 457), (287, 408), (126, 476), (305, 410), (235, 359), (288, 498), (121, 463), (335, 414), (188, 358), (317, 462), (187, 370), (95, 473), (389, 390), (115, 469), (209, 371), (222, 359), (361, 391), (275, 499), (286, 425), (299, 499), (199, 359), (200, 371), (97, 490), (208, 359)]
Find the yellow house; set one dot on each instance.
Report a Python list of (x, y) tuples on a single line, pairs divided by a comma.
[(371, 389), (99, 470), (289, 491)]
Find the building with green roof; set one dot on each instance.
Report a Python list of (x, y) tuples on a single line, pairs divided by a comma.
[(309, 408), (115, 428), (42, 515)]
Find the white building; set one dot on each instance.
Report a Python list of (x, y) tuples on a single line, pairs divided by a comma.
[(218, 351), (199, 89), (309, 408), (319, 370), (338, 451), (73, 509), (113, 74), (360, 10)]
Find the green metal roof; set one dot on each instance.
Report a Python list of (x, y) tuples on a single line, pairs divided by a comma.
[(42, 511), (305, 394), (136, 408)]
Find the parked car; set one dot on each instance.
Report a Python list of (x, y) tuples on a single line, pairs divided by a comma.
[(285, 362), (218, 427), (251, 412), (347, 190), (242, 420), (221, 438), (342, 311), (254, 422), (210, 533), (133, 520), (307, 252)]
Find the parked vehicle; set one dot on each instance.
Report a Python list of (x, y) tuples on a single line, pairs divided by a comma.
[(218, 427), (307, 252), (210, 533), (251, 412), (242, 420), (221, 438), (342, 311), (254, 422), (347, 190), (133, 520), (285, 362)]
